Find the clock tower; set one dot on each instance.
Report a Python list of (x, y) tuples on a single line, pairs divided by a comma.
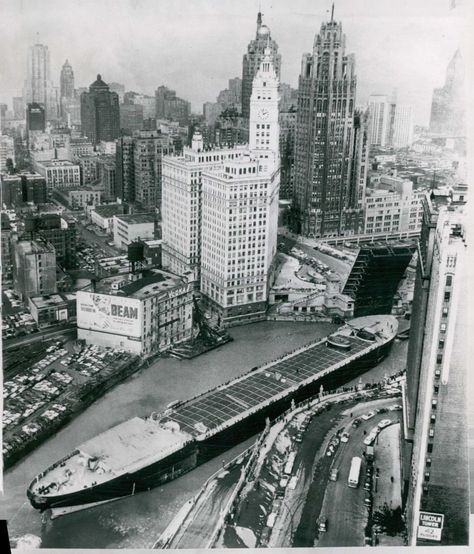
[(264, 132)]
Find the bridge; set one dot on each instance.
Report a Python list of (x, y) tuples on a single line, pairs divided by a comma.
[(370, 238)]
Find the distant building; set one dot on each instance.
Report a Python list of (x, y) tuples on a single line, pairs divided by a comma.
[(448, 108), (147, 314), (80, 146), (287, 121), (435, 458), (7, 152), (59, 174), (100, 113), (379, 119), (34, 268), (103, 215), (119, 89), (78, 199), (401, 132), (88, 168), (125, 169), (35, 118), (61, 232), (66, 90), (107, 176), (252, 59), (128, 228), (169, 106), (131, 118), (38, 86), (18, 108), (6, 252), (211, 111)]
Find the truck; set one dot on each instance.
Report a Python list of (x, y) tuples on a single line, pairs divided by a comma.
[(354, 472), (322, 524), (369, 453)]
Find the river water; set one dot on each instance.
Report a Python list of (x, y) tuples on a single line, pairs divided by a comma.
[(136, 522)]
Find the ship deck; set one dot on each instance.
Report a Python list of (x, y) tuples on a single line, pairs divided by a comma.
[(214, 408)]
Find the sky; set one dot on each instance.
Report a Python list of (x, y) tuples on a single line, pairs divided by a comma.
[(195, 46)]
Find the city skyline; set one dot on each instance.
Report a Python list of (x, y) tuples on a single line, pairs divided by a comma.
[(381, 36)]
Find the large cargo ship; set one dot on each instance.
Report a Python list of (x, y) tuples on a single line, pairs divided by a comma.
[(139, 454)]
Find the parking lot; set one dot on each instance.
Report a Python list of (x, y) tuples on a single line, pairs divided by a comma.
[(48, 389)]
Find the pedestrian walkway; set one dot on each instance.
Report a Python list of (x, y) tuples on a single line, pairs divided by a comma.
[(387, 460)]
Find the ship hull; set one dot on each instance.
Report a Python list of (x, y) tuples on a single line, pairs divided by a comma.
[(128, 484), (198, 452)]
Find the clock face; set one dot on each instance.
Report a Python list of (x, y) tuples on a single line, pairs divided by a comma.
[(263, 113)]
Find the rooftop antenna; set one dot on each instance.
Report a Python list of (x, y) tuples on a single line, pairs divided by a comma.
[(332, 13)]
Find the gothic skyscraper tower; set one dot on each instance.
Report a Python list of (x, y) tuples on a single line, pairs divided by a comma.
[(252, 60), (324, 136), (67, 81)]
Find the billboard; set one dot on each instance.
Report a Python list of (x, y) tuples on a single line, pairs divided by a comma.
[(430, 526), (110, 314)]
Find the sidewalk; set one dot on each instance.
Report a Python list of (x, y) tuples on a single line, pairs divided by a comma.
[(387, 459)]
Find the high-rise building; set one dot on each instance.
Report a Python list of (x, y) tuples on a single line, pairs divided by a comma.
[(35, 118), (38, 85), (107, 174), (100, 113), (252, 60), (448, 107), (182, 205), (401, 134), (435, 401), (131, 118), (18, 107), (125, 171), (6, 251), (240, 212), (119, 89), (287, 121), (169, 106), (34, 268), (379, 119), (61, 232), (324, 205), (66, 81), (149, 147), (7, 152)]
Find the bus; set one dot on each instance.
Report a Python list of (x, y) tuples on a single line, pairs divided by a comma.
[(353, 480), (290, 463)]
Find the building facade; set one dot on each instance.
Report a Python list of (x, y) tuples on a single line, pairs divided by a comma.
[(34, 268), (38, 86), (240, 213), (169, 106), (379, 119), (435, 400), (146, 315), (100, 113), (7, 152), (59, 174), (130, 227), (324, 137)]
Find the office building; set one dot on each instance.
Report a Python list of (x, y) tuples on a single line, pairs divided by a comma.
[(131, 118), (324, 205), (130, 227), (393, 206), (181, 204), (169, 106), (107, 176), (80, 146), (146, 315), (18, 108), (34, 268), (125, 170), (103, 215), (448, 108), (22, 188), (211, 111), (88, 168), (52, 309), (287, 121), (59, 174), (379, 119), (240, 213), (6, 251), (66, 81), (435, 399), (7, 152), (100, 113), (148, 103), (79, 199), (38, 86), (119, 89), (35, 118), (252, 59)]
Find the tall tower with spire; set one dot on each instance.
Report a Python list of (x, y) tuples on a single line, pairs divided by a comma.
[(66, 81), (252, 60), (38, 86), (325, 135)]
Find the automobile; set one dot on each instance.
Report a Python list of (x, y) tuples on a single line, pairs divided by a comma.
[(368, 486), (384, 423), (322, 524), (368, 501), (368, 416), (284, 481), (345, 437), (334, 473), (369, 440), (356, 422)]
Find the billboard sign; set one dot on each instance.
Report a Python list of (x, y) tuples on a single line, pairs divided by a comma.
[(110, 314), (430, 526)]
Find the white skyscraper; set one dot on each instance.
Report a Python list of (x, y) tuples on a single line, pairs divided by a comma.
[(402, 131), (240, 211), (379, 112), (38, 86)]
